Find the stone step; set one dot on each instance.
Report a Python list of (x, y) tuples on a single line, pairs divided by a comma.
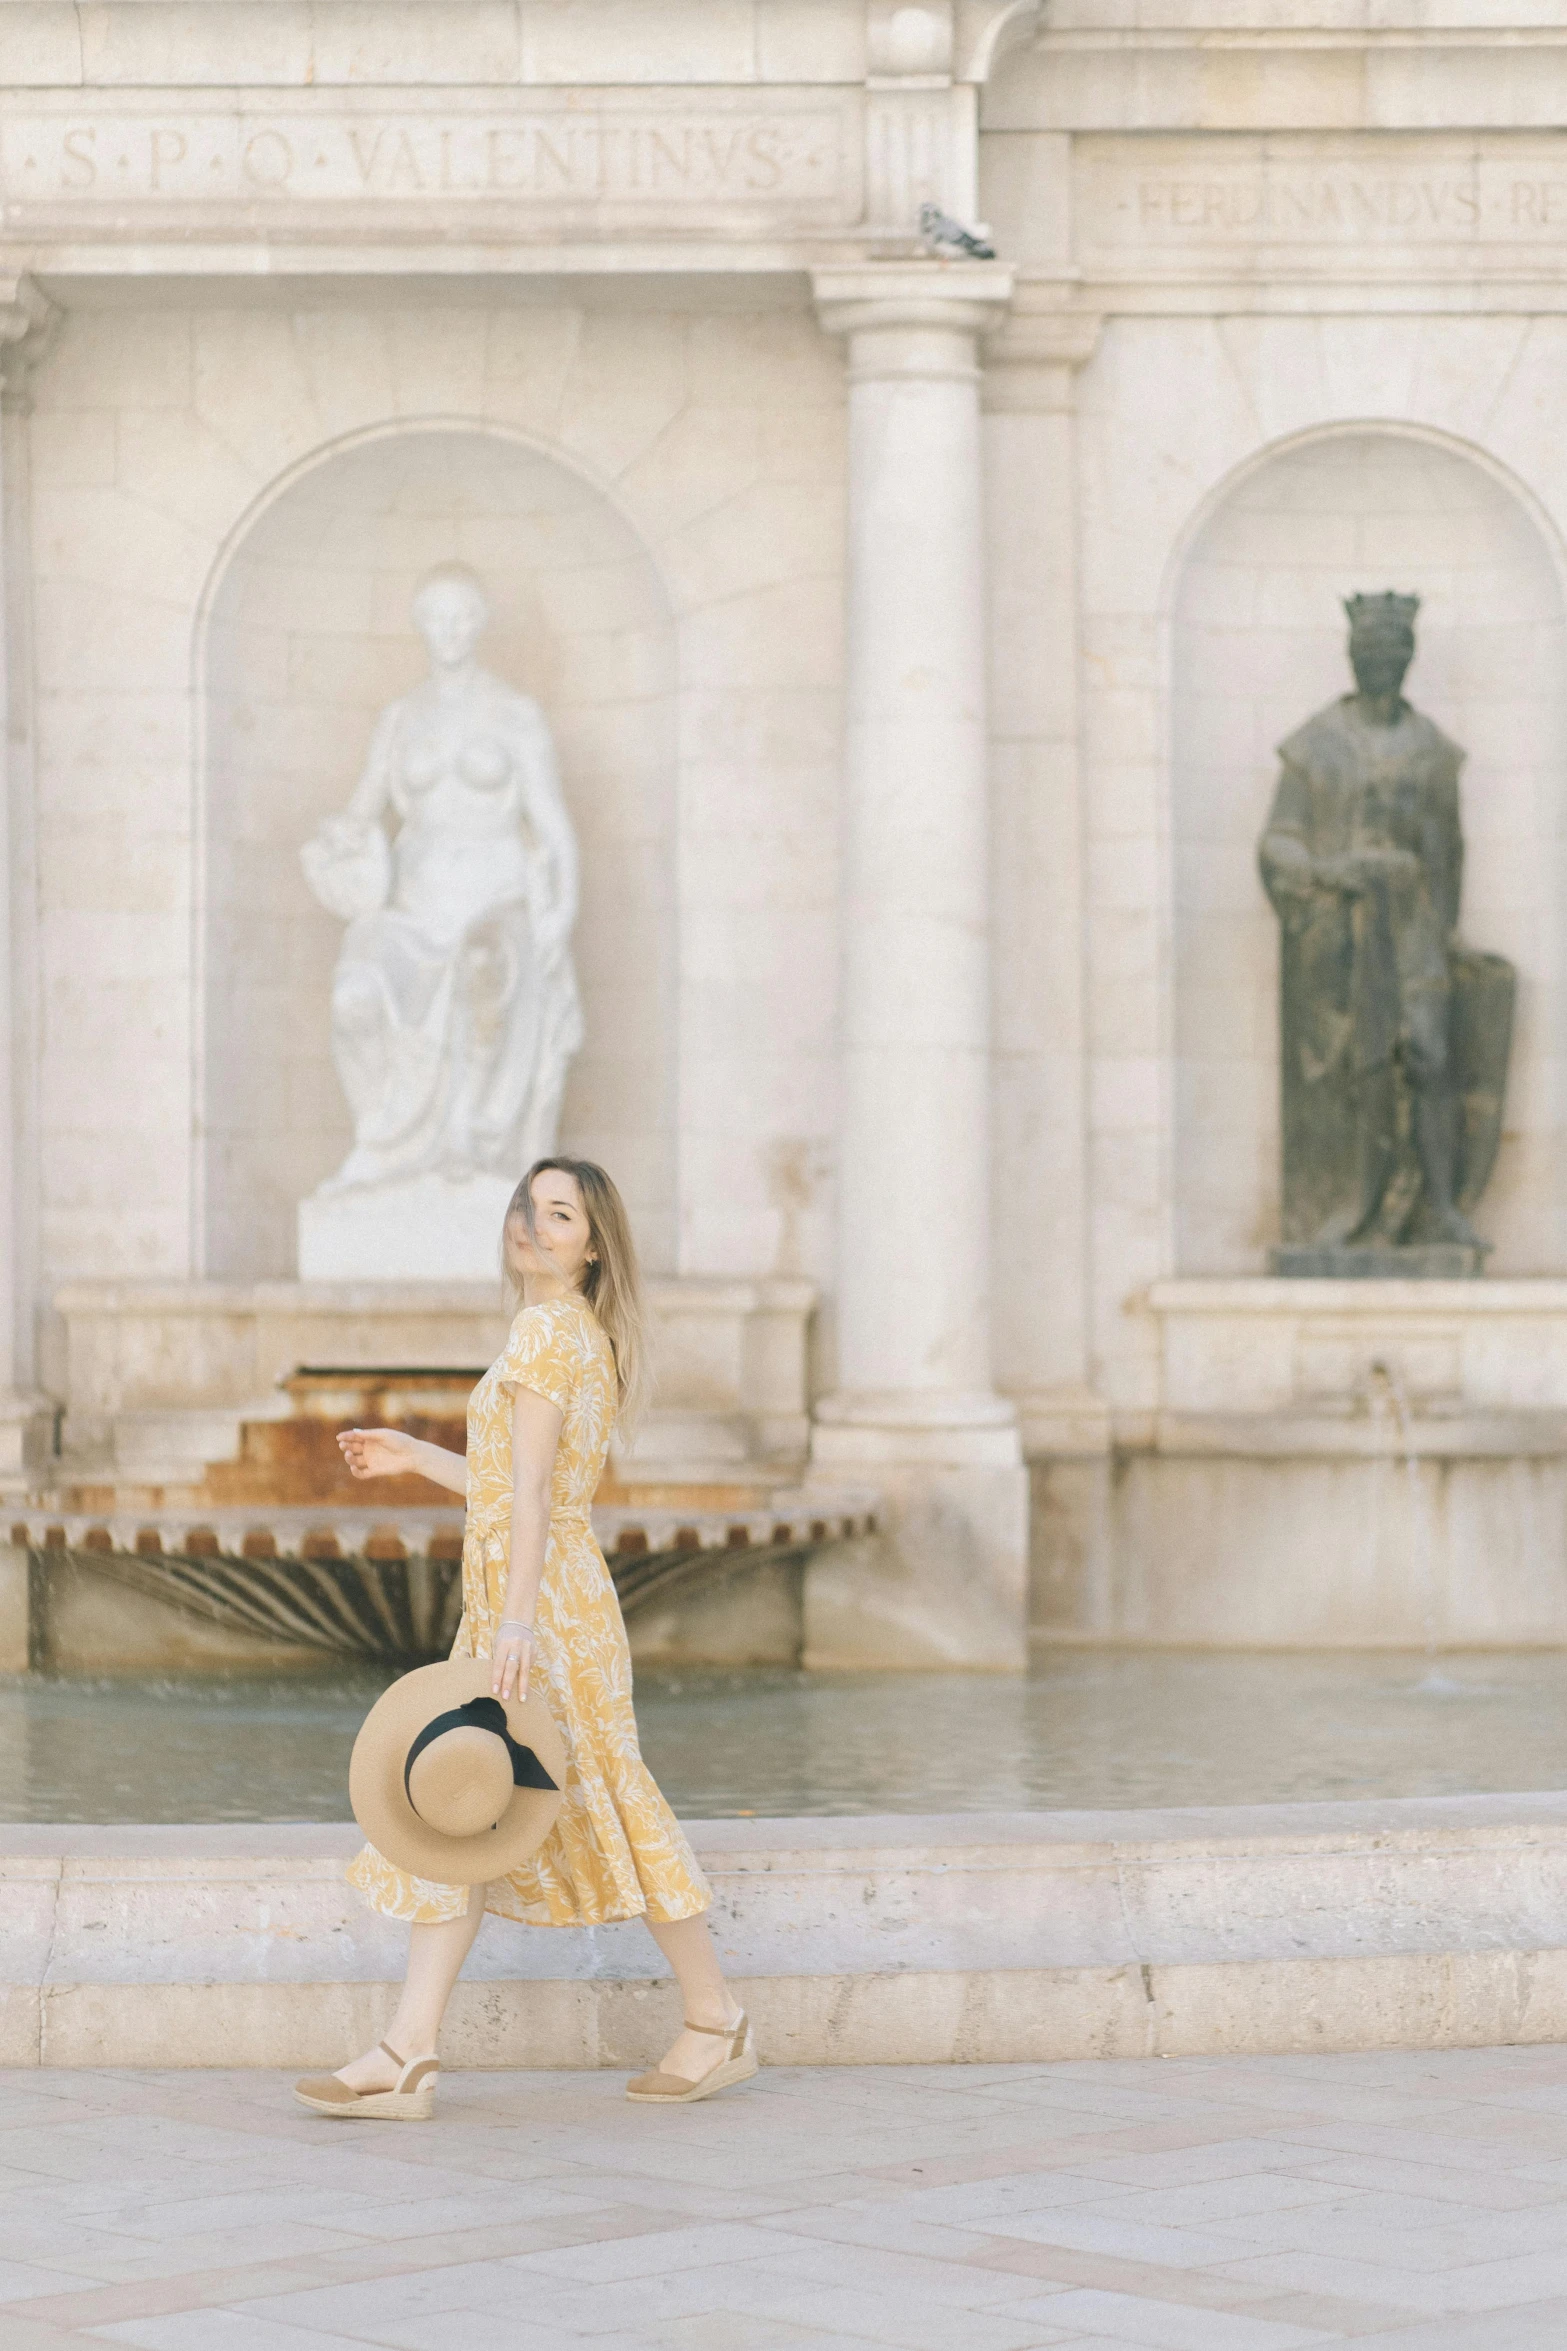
[(988, 1938)]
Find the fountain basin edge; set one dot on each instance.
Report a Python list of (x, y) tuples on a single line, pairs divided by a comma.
[(980, 1938)]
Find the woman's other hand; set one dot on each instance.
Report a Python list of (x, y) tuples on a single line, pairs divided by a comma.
[(377, 1453), (511, 1663)]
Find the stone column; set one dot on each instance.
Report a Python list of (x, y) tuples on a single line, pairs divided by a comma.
[(27, 323), (1040, 916), (915, 1413)]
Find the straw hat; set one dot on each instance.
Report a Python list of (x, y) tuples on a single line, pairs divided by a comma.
[(449, 1783)]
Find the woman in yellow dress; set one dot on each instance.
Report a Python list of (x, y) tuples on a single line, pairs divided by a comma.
[(538, 1601)]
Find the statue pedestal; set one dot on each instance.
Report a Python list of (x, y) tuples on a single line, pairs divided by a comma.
[(428, 1229), (1421, 1261)]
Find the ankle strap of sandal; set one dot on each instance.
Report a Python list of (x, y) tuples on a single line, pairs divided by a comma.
[(403, 2063), (717, 2032)]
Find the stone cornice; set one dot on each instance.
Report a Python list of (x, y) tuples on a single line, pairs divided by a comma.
[(958, 297), (1276, 37), (1279, 78), (515, 45)]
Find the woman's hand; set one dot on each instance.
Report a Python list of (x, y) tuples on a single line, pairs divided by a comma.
[(378, 1453), (511, 1660)]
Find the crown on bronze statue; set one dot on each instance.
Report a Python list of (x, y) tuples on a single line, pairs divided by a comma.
[(1386, 611)]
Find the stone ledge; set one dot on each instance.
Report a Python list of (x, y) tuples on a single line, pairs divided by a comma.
[(1273, 1294), (900, 1940), (1300, 1435), (965, 2017)]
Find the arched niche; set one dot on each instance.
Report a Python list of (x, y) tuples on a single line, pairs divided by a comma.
[(1257, 646), (308, 637)]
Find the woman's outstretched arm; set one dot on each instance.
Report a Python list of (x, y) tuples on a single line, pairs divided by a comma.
[(392, 1453)]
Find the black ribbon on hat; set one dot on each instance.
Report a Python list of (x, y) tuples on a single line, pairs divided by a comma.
[(480, 1714)]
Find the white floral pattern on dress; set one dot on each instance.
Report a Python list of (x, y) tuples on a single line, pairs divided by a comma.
[(616, 1850)]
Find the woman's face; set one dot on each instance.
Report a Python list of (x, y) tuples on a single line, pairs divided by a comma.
[(563, 1230), (450, 617)]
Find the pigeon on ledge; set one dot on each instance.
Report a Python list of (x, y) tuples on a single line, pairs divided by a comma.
[(943, 234)]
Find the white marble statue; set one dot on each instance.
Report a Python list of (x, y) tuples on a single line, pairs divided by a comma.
[(454, 1004)]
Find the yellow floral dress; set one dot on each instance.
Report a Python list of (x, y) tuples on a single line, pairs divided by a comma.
[(616, 1850)]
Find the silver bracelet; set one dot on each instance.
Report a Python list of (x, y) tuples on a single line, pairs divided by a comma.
[(516, 1625)]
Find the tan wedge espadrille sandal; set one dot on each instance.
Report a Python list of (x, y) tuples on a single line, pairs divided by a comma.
[(672, 2089), (412, 2099)]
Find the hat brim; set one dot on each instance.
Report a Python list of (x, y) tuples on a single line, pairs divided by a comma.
[(380, 1799)]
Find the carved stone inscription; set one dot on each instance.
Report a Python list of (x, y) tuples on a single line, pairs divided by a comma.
[(1165, 201), (674, 156)]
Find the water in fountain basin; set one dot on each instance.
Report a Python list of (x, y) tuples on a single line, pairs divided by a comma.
[(1100, 1729)]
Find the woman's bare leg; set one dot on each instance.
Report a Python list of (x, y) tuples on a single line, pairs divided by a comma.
[(689, 1949), (435, 1957)]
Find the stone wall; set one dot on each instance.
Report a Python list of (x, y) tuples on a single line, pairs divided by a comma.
[(1277, 315)]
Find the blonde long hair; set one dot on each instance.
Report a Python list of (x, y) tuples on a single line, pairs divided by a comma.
[(612, 1284)]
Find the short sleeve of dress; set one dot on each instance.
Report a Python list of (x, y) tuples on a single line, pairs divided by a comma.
[(541, 1355)]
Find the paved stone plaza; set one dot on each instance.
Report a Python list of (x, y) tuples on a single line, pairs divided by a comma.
[(1221, 2204)]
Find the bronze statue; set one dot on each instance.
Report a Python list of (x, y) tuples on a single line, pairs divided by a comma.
[(1395, 1037)]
